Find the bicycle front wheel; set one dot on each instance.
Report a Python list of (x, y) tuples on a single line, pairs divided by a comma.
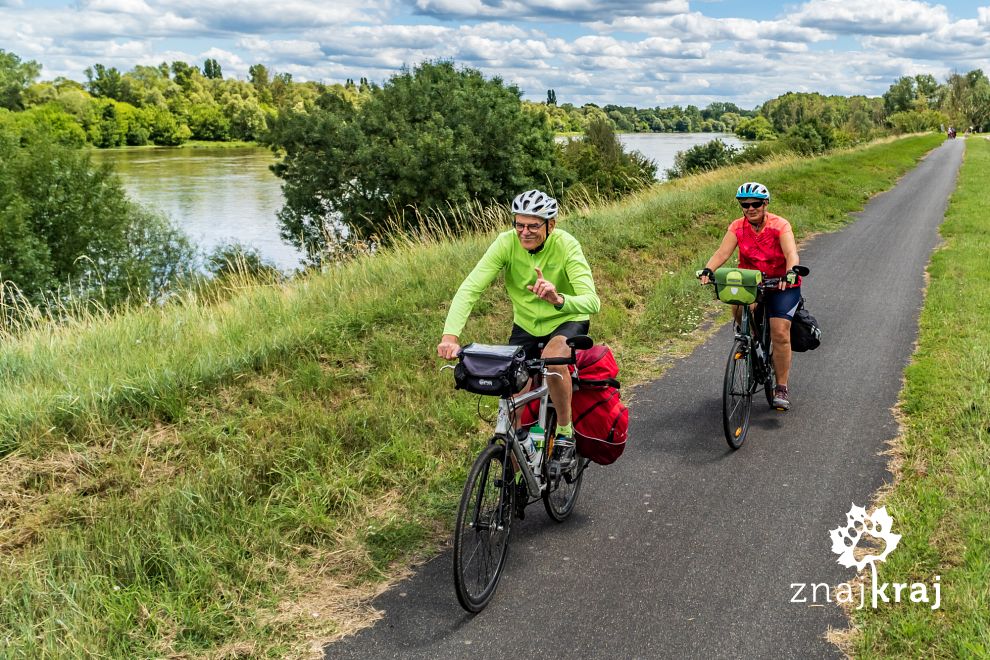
[(770, 382), (737, 394), (481, 535), (561, 493)]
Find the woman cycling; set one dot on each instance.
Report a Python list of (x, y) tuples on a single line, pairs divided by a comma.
[(766, 243)]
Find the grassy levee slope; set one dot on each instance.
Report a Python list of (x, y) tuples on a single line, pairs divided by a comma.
[(940, 501), (207, 480)]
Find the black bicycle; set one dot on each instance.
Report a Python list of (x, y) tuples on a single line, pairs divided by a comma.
[(504, 480), (750, 364)]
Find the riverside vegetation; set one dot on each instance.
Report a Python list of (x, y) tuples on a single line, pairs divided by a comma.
[(228, 476)]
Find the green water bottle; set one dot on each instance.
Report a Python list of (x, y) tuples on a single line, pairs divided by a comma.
[(537, 438)]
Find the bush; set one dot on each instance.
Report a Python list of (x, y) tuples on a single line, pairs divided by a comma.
[(701, 158), (757, 152), (598, 166), (916, 122), (67, 226)]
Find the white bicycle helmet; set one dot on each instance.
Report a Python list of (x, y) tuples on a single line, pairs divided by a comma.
[(753, 190), (535, 203)]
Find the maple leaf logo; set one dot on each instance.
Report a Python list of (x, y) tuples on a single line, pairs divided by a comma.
[(846, 539)]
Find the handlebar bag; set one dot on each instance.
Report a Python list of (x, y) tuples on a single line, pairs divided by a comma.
[(737, 286), (491, 370)]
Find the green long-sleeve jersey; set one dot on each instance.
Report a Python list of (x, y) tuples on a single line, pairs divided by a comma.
[(562, 263)]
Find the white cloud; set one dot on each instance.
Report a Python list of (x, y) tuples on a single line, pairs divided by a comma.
[(569, 10), (617, 52), (698, 26), (875, 17), (138, 7)]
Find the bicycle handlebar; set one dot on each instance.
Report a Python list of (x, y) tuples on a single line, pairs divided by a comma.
[(767, 283)]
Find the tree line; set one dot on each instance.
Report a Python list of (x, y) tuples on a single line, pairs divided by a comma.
[(362, 161)]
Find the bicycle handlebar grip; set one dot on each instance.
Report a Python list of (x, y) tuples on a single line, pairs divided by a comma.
[(558, 361)]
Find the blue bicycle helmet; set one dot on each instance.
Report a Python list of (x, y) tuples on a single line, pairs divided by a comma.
[(753, 190)]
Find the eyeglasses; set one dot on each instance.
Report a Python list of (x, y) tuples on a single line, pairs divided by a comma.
[(751, 205), (521, 226)]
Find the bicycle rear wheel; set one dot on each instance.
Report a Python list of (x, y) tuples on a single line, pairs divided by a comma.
[(737, 394), (561, 494), (481, 535)]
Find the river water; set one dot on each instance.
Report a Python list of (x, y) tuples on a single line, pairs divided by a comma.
[(221, 194)]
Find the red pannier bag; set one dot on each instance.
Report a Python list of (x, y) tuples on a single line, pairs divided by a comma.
[(601, 421)]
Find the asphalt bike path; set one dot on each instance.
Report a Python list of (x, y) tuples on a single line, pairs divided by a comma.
[(684, 548)]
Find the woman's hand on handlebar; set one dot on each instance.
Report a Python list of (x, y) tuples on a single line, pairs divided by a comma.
[(705, 275), (448, 348)]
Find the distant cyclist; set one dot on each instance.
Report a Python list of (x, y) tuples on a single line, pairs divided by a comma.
[(552, 292), (766, 243)]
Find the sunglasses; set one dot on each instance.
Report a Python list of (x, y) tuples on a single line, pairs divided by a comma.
[(520, 226), (751, 205)]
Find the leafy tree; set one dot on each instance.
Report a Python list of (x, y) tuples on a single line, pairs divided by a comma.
[(207, 121), (261, 79), (967, 100), (431, 137), (68, 225), (105, 82), (183, 74), (212, 70), (900, 96), (15, 77), (755, 128), (165, 129)]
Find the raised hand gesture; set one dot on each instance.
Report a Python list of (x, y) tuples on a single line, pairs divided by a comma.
[(545, 289)]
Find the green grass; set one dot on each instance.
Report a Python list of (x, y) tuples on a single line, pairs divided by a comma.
[(204, 479), (941, 497)]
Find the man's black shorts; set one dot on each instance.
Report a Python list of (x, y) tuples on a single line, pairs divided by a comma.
[(534, 345)]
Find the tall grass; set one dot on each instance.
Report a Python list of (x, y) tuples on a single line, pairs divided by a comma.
[(941, 496), (178, 480)]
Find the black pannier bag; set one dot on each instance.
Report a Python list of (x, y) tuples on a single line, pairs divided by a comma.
[(806, 334), (492, 370)]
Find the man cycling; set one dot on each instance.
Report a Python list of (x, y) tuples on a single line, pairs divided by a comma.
[(552, 292), (766, 243)]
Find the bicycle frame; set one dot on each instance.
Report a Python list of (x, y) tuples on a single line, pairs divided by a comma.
[(505, 429), (749, 319)]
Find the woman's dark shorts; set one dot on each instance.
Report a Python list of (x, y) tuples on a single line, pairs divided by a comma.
[(534, 345), (782, 304)]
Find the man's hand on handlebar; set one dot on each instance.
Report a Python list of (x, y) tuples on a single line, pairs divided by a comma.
[(448, 348)]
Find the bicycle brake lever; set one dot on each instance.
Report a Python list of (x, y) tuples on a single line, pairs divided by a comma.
[(446, 366), (554, 373)]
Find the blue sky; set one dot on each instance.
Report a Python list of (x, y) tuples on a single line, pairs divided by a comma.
[(644, 53)]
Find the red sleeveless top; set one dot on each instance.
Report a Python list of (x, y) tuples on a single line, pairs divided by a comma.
[(762, 251)]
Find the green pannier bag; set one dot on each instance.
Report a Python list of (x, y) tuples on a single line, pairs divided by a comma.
[(737, 286)]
